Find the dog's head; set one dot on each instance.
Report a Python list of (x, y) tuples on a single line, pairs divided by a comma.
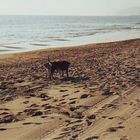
[(48, 66)]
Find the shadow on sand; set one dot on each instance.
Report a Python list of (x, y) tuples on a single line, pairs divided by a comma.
[(75, 79)]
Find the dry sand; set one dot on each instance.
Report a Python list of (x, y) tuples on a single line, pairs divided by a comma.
[(100, 100)]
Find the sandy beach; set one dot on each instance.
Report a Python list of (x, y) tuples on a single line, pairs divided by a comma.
[(99, 101)]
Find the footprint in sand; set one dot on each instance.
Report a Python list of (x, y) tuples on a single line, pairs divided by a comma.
[(63, 90), (44, 116), (63, 103), (84, 96), (8, 119), (61, 100), (74, 136), (110, 118), (27, 123), (3, 129), (72, 98), (43, 95), (19, 113), (34, 105), (64, 133), (65, 95), (5, 109), (25, 102), (76, 91), (38, 123), (44, 105), (114, 129), (33, 112), (72, 109), (4, 113), (107, 92), (58, 138), (91, 117), (124, 138), (74, 122), (38, 113), (27, 97), (88, 122), (73, 102), (92, 138), (104, 117)]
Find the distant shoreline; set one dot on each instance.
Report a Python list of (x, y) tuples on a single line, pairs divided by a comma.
[(5, 52), (47, 50)]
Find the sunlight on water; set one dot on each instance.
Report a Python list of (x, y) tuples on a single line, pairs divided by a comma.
[(25, 33)]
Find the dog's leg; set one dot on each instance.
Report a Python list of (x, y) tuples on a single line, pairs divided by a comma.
[(67, 73), (62, 73)]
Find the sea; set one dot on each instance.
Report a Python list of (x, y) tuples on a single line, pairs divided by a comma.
[(28, 33)]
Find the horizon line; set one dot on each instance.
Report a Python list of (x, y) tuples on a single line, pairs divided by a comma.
[(69, 15)]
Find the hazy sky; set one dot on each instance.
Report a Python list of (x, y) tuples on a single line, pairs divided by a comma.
[(70, 7)]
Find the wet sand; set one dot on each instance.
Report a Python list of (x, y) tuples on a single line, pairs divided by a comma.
[(99, 101)]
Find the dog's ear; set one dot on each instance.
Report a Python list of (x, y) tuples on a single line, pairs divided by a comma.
[(49, 59), (47, 65), (50, 64)]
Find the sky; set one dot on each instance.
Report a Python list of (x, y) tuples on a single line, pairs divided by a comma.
[(70, 7)]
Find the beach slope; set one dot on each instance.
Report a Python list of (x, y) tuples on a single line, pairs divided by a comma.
[(100, 99)]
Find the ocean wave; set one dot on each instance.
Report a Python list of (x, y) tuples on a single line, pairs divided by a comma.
[(114, 28), (2, 51), (11, 47), (81, 34), (11, 43), (53, 38), (38, 44), (61, 39)]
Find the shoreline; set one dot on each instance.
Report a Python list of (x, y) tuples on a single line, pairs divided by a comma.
[(2, 56), (80, 41)]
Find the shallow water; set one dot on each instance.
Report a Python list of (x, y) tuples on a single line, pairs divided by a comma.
[(26, 33)]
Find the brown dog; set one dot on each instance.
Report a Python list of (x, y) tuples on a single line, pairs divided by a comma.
[(58, 66)]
